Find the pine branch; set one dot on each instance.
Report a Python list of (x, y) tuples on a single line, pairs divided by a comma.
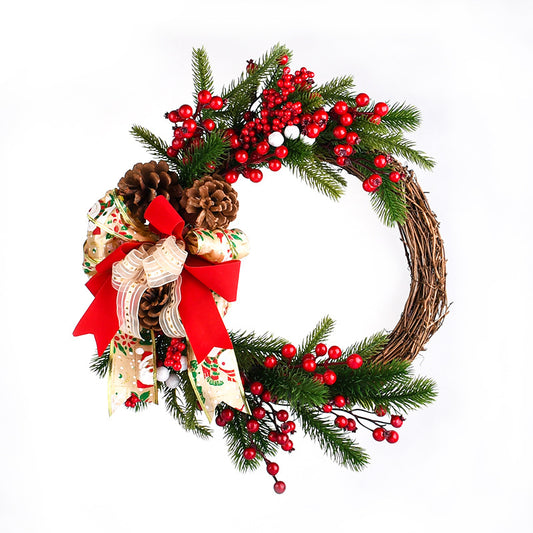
[(201, 72), (370, 346), (251, 348), (155, 145), (334, 441), (389, 203), (320, 333), (337, 89), (404, 397), (402, 117), (100, 364)]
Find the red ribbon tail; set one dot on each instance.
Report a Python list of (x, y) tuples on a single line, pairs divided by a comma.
[(100, 319)]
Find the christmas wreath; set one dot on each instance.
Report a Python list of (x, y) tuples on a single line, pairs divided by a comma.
[(164, 263)]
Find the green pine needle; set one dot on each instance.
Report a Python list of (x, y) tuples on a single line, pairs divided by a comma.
[(320, 333), (402, 117), (337, 89), (156, 146), (201, 72), (389, 203), (370, 346), (251, 348), (100, 363)]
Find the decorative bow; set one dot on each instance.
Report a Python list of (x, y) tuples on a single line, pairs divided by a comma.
[(122, 278)]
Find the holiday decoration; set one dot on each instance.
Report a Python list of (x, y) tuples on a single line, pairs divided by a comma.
[(164, 262)]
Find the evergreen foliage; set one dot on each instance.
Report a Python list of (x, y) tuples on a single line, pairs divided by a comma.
[(320, 333), (251, 348), (201, 72), (389, 203), (156, 146), (100, 363)]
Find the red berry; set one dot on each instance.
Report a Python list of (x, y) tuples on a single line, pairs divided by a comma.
[(376, 180), (259, 413), (334, 352), (287, 446), (255, 175), (262, 148), (396, 421), (368, 186), (185, 111), (381, 109), (321, 349), (190, 125), (395, 177), (220, 421), (252, 426), (340, 401), (282, 152), (379, 434), (341, 161), (279, 487), (227, 414), (273, 436), (330, 377), (283, 60), (231, 176), (178, 144), (362, 99), (308, 356), (274, 165), (339, 132), (234, 142), (289, 427), (288, 351), (173, 116), (312, 131), (392, 437), (380, 410), (249, 453), (352, 138), (340, 107), (272, 468), (266, 396), (256, 388), (327, 408), (309, 365), (346, 119), (282, 415), (241, 156), (380, 161), (354, 361), (209, 124), (375, 119), (351, 425), (271, 361), (216, 103), (172, 152), (281, 438), (204, 97), (318, 377), (341, 421), (320, 115)]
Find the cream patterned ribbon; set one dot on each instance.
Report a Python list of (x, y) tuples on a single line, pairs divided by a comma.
[(150, 266)]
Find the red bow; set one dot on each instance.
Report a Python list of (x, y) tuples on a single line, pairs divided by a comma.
[(198, 311)]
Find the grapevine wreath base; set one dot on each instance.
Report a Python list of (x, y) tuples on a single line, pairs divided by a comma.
[(164, 263)]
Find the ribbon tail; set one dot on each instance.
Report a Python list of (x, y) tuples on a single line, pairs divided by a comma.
[(201, 318), (100, 319)]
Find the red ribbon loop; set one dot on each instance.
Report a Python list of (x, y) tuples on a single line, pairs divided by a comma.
[(198, 311)]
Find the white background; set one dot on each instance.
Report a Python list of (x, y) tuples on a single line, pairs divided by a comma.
[(73, 79)]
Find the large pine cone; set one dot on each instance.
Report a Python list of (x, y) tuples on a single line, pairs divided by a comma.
[(144, 182), (152, 302), (210, 203)]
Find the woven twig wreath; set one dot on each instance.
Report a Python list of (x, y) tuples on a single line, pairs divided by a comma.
[(163, 262)]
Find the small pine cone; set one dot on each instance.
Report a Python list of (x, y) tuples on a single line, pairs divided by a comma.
[(152, 302), (210, 203), (144, 182)]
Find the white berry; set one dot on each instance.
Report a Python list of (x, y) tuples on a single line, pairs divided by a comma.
[(162, 373), (276, 139), (172, 382), (306, 140), (183, 362), (291, 132)]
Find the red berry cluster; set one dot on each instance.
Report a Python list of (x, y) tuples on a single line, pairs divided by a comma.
[(189, 124), (173, 355), (311, 364), (132, 401)]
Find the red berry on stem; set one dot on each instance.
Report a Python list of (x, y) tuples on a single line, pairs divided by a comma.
[(281, 438), (341, 421), (249, 453), (395, 177), (241, 156), (227, 414), (283, 60), (380, 410), (255, 175), (282, 152), (185, 111), (287, 446), (381, 109), (271, 361), (259, 413), (340, 401), (231, 176), (288, 351), (380, 161), (190, 125), (396, 421), (209, 124), (309, 365), (340, 107), (172, 152), (375, 119), (327, 408), (279, 487), (320, 115), (216, 103), (272, 468), (266, 396), (274, 165), (351, 425), (312, 131), (334, 352), (368, 185), (362, 99), (339, 132), (262, 148), (173, 116), (392, 437), (379, 434), (178, 144), (273, 436), (282, 415), (346, 119), (376, 180), (256, 388), (321, 349), (318, 377), (352, 138), (252, 426), (330, 377), (204, 97), (354, 361), (220, 421)]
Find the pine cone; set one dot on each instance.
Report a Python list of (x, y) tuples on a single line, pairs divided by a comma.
[(144, 182), (152, 302), (210, 203)]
